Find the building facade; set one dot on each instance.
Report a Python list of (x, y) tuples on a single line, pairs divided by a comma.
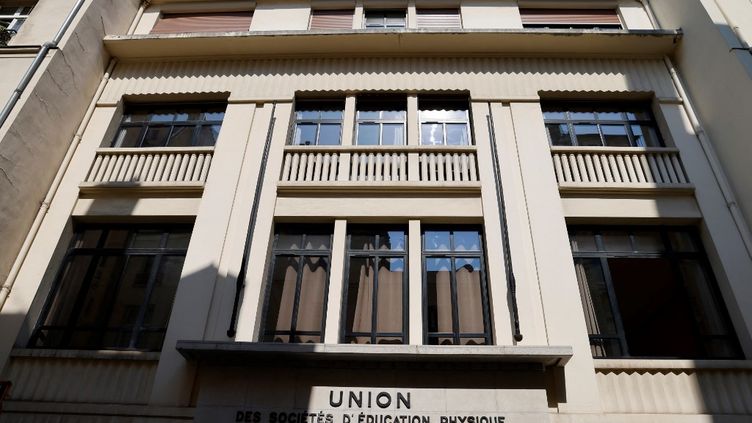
[(289, 211)]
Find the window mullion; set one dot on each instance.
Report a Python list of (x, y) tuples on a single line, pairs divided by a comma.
[(374, 300), (455, 305), (614, 306), (296, 300)]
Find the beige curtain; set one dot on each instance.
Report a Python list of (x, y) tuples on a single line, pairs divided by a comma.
[(286, 274), (444, 299), (312, 288), (389, 301), (363, 305), (469, 297)]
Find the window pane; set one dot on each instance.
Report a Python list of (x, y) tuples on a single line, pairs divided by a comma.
[(587, 135), (392, 134), (330, 134), (305, 134), (128, 137), (436, 241), (331, 114), (648, 241), (162, 116), (147, 238), (393, 115), (96, 305), (456, 134), (156, 136), (181, 136), (368, 134), (389, 300), (615, 135), (709, 315), (432, 134), (163, 294), (70, 285), (616, 241), (312, 289), (317, 242), (289, 241), (606, 348), (439, 293), (136, 117), (208, 135), (466, 241), (392, 240), (582, 113), (583, 241), (682, 241), (131, 292), (599, 316), (281, 296), (117, 238), (360, 295), (559, 133), (609, 113), (469, 297), (362, 242), (551, 113), (441, 115), (88, 239), (178, 240), (645, 136)]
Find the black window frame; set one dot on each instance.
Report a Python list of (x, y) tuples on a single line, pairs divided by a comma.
[(673, 256), (98, 252), (325, 105), (148, 109), (376, 255), (304, 231), (452, 255), (605, 107), (385, 14), (448, 100)]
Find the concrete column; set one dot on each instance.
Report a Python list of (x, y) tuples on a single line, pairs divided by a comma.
[(358, 16), (348, 121), (336, 276), (413, 126), (731, 264), (412, 15), (415, 284), (559, 291)]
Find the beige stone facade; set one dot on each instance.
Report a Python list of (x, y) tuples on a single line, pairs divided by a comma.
[(508, 180)]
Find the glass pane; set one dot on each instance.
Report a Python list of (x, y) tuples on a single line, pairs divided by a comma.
[(440, 115), (389, 300), (128, 137), (583, 241), (305, 134), (439, 293), (587, 135), (466, 241), (214, 115), (392, 240), (615, 135), (432, 134), (308, 114), (281, 295), (368, 134), (163, 294), (436, 241), (638, 114), (368, 114), (456, 134), (360, 295), (606, 348), (88, 239), (289, 241), (470, 304), (117, 238), (317, 242), (156, 136), (392, 134), (616, 241), (440, 340), (362, 242), (395, 21), (181, 136), (645, 136), (388, 340), (599, 316), (312, 299), (473, 341), (96, 305), (136, 117), (330, 134), (187, 114), (68, 290), (682, 241), (582, 113), (162, 116), (207, 135), (554, 113), (609, 113), (147, 238), (648, 241), (331, 114), (558, 133), (374, 21), (178, 240), (131, 292), (709, 315)]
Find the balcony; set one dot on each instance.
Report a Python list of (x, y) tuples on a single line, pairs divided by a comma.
[(390, 168), (613, 169), (153, 169)]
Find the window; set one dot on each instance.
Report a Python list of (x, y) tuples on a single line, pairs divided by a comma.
[(115, 288), (296, 296), (385, 19), (318, 122), (381, 121), (649, 292), (438, 18), (173, 23), (376, 290), (170, 126), (570, 18), (332, 19), (12, 15), (444, 121), (597, 124), (454, 282)]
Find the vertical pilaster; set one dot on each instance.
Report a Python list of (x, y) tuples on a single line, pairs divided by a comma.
[(415, 284), (413, 137), (336, 276), (412, 15), (358, 16)]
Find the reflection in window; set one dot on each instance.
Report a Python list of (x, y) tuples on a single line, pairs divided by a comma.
[(170, 126), (381, 120), (596, 125), (444, 121), (648, 292), (296, 293), (318, 122), (115, 289), (385, 19), (376, 288), (456, 306)]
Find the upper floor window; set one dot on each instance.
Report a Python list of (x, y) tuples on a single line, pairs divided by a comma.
[(381, 120), (601, 124), (375, 308), (12, 15), (454, 282), (444, 121), (297, 288), (332, 19), (170, 126), (172, 23), (318, 122), (570, 18), (438, 18), (385, 19), (114, 289), (649, 292)]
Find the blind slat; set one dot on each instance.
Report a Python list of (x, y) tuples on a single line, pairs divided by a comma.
[(439, 18), (203, 22), (573, 16), (332, 19)]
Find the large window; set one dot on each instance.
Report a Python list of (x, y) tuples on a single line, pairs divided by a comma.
[(115, 288), (601, 124), (318, 122), (381, 120), (12, 15), (454, 282), (570, 18), (385, 19), (170, 126), (444, 121), (297, 289), (648, 292), (376, 289)]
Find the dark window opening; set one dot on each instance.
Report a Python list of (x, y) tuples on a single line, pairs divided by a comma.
[(194, 125), (385, 19), (381, 120), (318, 122)]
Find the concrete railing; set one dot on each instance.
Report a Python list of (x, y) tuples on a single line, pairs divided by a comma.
[(151, 165), (615, 167), (417, 164)]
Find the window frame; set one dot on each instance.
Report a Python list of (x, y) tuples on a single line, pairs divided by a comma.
[(668, 253), (452, 255), (375, 255), (17, 19), (158, 253), (563, 24), (145, 125), (380, 121), (318, 122), (467, 121), (384, 16)]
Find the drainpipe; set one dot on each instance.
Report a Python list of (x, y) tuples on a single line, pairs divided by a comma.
[(45, 206), (46, 47), (139, 14), (651, 16), (715, 165)]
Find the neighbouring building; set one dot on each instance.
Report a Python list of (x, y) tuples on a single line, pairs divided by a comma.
[(337, 211)]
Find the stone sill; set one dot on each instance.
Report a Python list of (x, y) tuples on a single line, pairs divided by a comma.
[(433, 356), (85, 354), (670, 364), (398, 42)]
